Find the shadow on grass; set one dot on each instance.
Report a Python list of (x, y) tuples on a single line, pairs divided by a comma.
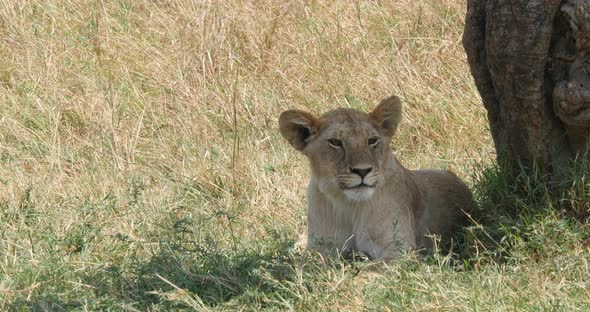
[(525, 216), (45, 302), (187, 270), (189, 273)]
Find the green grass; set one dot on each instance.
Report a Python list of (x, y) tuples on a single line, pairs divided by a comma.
[(141, 166), (537, 261)]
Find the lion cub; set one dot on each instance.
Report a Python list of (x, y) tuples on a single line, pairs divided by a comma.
[(360, 198)]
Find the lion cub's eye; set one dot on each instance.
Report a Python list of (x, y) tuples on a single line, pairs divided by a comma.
[(335, 143), (373, 142)]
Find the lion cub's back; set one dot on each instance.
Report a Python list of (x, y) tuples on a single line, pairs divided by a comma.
[(442, 205)]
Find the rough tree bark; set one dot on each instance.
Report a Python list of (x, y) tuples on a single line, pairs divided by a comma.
[(531, 65)]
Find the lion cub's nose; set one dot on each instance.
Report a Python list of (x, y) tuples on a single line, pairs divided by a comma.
[(361, 171)]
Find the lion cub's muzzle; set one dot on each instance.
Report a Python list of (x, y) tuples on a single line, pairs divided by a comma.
[(359, 184)]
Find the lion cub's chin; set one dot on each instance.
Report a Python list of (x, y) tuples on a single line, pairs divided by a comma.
[(359, 194)]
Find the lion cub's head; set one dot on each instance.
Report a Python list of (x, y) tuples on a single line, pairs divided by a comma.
[(347, 149)]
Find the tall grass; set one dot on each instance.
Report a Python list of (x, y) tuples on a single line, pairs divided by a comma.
[(141, 167)]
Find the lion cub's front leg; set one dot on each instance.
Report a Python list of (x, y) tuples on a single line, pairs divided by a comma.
[(329, 226), (329, 239), (386, 238)]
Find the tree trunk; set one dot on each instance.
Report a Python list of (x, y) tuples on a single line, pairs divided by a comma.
[(530, 64)]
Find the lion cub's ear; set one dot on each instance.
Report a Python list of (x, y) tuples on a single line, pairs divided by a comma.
[(297, 127), (387, 115)]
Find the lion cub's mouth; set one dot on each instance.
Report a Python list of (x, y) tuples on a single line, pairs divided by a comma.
[(360, 186), (359, 192)]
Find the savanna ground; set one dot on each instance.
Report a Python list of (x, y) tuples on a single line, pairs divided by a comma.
[(141, 167)]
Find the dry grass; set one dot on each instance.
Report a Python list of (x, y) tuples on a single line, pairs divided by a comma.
[(130, 128)]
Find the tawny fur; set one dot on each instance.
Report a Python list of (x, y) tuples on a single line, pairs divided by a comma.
[(389, 211)]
